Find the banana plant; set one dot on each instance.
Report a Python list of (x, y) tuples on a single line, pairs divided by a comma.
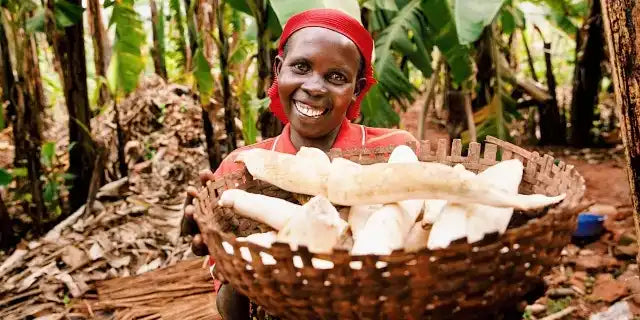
[(411, 29), (126, 61)]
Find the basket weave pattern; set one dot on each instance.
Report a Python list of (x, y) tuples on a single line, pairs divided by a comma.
[(463, 281)]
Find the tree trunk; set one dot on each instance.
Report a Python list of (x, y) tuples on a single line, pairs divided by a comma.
[(552, 130), (6, 78), (157, 21), (213, 147), (32, 107), (586, 77), (529, 57), (70, 49), (622, 26), (454, 101), (191, 28), (101, 46), (182, 42), (223, 52), (267, 122), (122, 162), (6, 230), (204, 15)]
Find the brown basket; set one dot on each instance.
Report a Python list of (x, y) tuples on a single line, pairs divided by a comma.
[(463, 281)]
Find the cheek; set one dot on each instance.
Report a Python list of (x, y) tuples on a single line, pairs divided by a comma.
[(342, 98), (286, 85)]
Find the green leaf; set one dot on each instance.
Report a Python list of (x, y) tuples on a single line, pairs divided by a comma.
[(471, 16), (562, 22), (389, 5), (284, 9), (377, 111), (248, 115), (561, 12), (444, 36), (66, 14), (36, 22), (389, 75), (47, 153), (507, 20), (50, 192), (20, 172), (126, 61), (272, 19), (202, 74), (5, 177)]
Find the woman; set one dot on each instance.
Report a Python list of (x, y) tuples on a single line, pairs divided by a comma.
[(322, 72)]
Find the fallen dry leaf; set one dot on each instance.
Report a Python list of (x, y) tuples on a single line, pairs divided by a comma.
[(595, 263), (74, 257), (578, 279), (609, 290), (630, 250)]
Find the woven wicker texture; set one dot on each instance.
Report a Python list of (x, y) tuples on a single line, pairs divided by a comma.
[(463, 281)]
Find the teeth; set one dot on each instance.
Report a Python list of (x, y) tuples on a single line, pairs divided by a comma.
[(307, 110)]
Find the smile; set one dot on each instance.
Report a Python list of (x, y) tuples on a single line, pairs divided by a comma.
[(309, 111)]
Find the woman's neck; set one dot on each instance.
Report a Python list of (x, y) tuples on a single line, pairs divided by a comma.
[(323, 143)]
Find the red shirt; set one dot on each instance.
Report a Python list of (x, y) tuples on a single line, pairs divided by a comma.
[(350, 136)]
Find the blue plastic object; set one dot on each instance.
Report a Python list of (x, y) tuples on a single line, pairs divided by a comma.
[(589, 224)]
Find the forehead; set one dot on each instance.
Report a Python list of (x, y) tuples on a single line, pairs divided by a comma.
[(328, 41)]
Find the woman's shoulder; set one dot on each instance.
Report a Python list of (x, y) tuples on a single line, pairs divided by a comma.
[(228, 163), (384, 137)]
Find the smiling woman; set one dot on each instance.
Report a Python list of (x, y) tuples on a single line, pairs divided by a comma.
[(322, 73)]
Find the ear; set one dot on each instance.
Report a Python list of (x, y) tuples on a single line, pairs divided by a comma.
[(360, 84), (277, 65)]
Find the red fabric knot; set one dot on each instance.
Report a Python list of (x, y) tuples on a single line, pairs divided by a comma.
[(337, 21)]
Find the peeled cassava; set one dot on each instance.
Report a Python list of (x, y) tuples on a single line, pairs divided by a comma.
[(305, 173), (271, 211), (347, 183), (386, 229), (358, 216), (473, 220), (393, 182), (317, 224)]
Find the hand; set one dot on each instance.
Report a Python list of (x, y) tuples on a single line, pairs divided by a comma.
[(188, 224)]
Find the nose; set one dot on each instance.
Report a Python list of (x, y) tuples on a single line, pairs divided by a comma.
[(314, 85)]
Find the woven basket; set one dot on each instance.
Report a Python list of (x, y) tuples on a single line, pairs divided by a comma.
[(463, 281)]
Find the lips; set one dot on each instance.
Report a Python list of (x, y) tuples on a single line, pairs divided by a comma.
[(309, 111)]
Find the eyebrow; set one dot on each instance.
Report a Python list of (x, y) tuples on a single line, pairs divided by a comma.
[(342, 67)]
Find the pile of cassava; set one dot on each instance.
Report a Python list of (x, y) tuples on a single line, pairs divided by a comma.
[(383, 202)]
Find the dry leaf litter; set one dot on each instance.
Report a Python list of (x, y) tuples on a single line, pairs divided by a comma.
[(131, 236)]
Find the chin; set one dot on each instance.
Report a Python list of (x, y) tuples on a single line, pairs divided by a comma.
[(306, 130)]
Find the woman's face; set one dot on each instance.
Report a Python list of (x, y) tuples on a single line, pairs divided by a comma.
[(318, 80)]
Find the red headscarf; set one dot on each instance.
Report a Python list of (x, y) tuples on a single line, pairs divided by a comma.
[(337, 21)]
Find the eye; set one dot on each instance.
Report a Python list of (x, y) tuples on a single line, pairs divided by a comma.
[(301, 67), (336, 77)]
